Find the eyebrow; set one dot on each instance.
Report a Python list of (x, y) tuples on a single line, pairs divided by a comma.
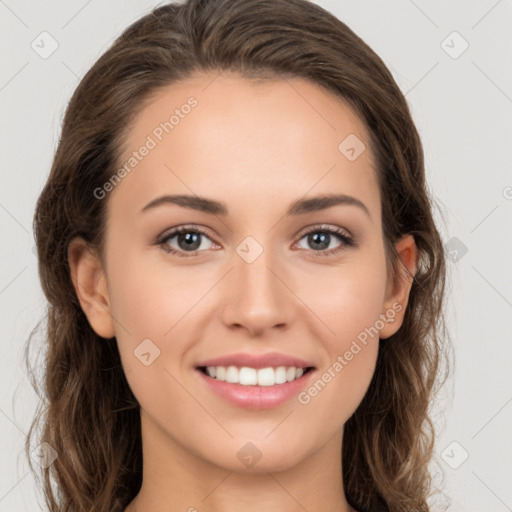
[(299, 207)]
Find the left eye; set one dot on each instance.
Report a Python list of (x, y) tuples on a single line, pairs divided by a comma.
[(323, 240)]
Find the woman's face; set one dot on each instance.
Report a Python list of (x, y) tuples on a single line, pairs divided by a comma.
[(265, 265)]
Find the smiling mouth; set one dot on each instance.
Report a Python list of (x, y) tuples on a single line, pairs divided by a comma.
[(246, 376)]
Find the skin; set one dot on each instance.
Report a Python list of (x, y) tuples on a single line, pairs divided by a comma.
[(258, 147)]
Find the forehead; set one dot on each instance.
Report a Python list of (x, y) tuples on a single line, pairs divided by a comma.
[(245, 139)]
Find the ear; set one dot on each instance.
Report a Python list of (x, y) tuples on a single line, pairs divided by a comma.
[(91, 286), (399, 287)]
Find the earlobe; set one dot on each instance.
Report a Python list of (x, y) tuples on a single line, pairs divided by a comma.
[(90, 286), (399, 286)]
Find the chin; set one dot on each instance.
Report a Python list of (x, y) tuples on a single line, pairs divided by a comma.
[(249, 457)]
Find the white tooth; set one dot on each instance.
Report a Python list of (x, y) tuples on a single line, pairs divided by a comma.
[(290, 374), (232, 374), (280, 375), (266, 377), (247, 376)]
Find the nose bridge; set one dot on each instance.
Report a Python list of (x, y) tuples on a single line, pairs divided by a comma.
[(258, 299), (254, 279)]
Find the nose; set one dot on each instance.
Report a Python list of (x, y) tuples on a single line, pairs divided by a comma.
[(257, 296)]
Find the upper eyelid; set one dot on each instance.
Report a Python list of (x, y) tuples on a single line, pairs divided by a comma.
[(172, 232), (320, 227)]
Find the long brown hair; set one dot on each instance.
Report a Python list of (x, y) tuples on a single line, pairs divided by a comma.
[(88, 413)]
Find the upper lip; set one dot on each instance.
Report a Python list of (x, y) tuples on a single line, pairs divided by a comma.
[(271, 359)]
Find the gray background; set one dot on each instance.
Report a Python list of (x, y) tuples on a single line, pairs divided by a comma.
[(462, 104)]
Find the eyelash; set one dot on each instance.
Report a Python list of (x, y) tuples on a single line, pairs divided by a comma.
[(341, 234)]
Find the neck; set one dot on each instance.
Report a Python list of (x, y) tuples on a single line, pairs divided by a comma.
[(174, 478)]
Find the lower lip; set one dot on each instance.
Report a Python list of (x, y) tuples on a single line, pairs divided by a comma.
[(257, 397)]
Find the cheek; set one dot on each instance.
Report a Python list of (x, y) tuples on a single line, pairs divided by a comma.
[(344, 378), (149, 300), (148, 309), (349, 303), (350, 298)]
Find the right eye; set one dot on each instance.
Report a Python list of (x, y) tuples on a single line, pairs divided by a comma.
[(183, 241)]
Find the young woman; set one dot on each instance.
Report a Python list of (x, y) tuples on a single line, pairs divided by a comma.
[(244, 277)]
